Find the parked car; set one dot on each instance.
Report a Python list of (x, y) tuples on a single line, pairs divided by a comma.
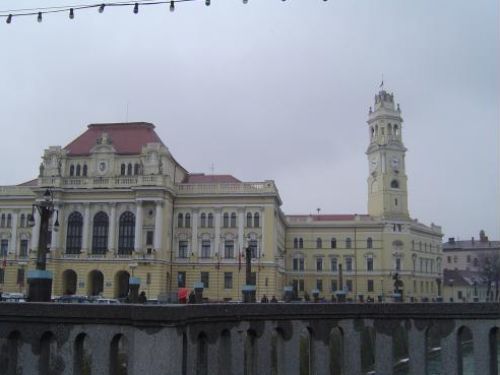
[(72, 299), (13, 297), (107, 301)]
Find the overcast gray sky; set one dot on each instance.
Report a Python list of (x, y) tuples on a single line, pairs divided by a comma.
[(272, 90)]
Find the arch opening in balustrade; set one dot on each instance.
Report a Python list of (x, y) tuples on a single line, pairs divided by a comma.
[(400, 349), (82, 359), (336, 344), (121, 284), (494, 350), (48, 350), (465, 351), (95, 283), (250, 353), (118, 355), (305, 352), (368, 349), (10, 362), (69, 282), (432, 350), (224, 358), (202, 355)]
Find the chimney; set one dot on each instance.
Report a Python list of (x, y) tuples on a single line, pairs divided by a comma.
[(482, 236), (451, 240)]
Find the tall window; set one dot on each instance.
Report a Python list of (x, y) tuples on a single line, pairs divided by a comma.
[(369, 264), (228, 280), (256, 220), (295, 243), (126, 233), (23, 249), (319, 264), (205, 278), (2, 222), (129, 169), (301, 243), (229, 249), (2, 275), (203, 220), (298, 264), (333, 265), (183, 249), (100, 233), (370, 285), (319, 243), (72, 170), (22, 223), (233, 220), (181, 279), (225, 220), (84, 172), (180, 220), (369, 243), (122, 169), (398, 264), (136, 169), (205, 249), (210, 220), (20, 276), (319, 284), (348, 264), (78, 170), (74, 233), (249, 220), (348, 284), (187, 221), (4, 247), (253, 248), (333, 285), (9, 220), (348, 243)]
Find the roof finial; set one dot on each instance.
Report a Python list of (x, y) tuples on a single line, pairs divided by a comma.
[(381, 86)]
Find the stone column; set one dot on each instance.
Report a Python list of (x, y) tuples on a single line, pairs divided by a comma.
[(237, 350), (449, 353), (35, 231), (138, 226), (417, 350), (263, 350), (158, 226), (320, 354), (217, 230), (212, 356), (13, 242), (112, 228), (86, 228), (383, 354), (290, 364), (481, 344), (352, 348)]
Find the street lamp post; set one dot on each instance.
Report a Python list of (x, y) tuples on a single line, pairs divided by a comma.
[(249, 289), (40, 280)]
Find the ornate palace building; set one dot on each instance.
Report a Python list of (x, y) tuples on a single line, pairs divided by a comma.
[(127, 208)]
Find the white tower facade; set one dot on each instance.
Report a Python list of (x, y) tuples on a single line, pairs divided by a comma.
[(387, 180)]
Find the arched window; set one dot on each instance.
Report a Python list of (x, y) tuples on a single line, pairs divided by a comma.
[(389, 129), (395, 184), (319, 243), (74, 233), (249, 220), (295, 243), (126, 233), (233, 220), (369, 243), (129, 169), (256, 220), (23, 221), (180, 220), (100, 233), (84, 172), (333, 243), (301, 243), (136, 168), (9, 220), (122, 169), (78, 170), (203, 220), (396, 130), (2, 222), (225, 220), (372, 132), (348, 243), (210, 220), (72, 170), (187, 221)]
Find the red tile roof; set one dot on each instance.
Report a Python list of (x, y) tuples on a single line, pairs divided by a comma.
[(201, 178), (126, 138), (339, 217)]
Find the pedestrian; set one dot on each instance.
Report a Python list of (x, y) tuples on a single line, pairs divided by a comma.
[(142, 297), (264, 299), (274, 300), (192, 298)]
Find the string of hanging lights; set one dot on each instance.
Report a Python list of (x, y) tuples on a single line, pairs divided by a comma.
[(9, 15)]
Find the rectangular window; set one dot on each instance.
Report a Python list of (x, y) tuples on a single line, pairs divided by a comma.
[(348, 264), (253, 278), (205, 249), (298, 264), (370, 285), (181, 279), (4, 247), (183, 249), (449, 259), (228, 249), (468, 258), (348, 283), (301, 285), (228, 280), (149, 238), (23, 249), (319, 285), (204, 278), (369, 264), (333, 264), (398, 264), (20, 276), (319, 264), (334, 285)]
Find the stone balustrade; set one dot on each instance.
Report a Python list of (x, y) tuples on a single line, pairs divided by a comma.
[(266, 187), (105, 182), (291, 339)]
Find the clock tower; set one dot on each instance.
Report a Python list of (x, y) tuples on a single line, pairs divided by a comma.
[(387, 181)]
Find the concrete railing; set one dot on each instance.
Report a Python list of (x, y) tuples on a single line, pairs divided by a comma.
[(250, 339), (106, 182), (229, 188)]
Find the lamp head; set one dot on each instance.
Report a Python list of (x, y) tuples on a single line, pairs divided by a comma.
[(47, 195), (31, 220)]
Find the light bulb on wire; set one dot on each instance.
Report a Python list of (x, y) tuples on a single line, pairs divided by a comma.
[(245, 1), (136, 8), (71, 13), (39, 18), (172, 6), (101, 8), (207, 3), (9, 18)]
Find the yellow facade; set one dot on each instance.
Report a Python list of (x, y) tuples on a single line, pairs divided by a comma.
[(127, 208)]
